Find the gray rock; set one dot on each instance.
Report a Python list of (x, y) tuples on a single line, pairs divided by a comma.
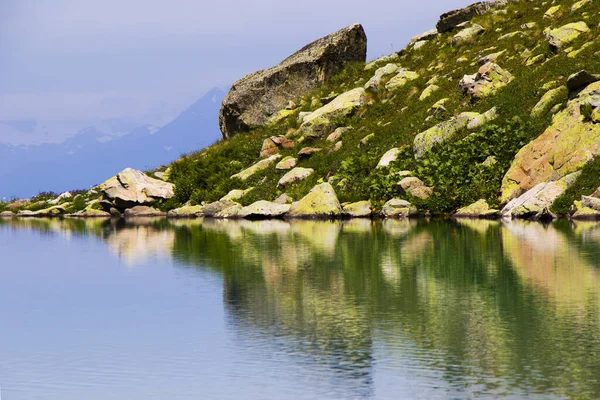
[(320, 202), (389, 157), (216, 209), (296, 175), (361, 209), (186, 212), (283, 199), (580, 80), (255, 98), (143, 211), (131, 187), (397, 208), (6, 214), (479, 209), (452, 19), (263, 210)]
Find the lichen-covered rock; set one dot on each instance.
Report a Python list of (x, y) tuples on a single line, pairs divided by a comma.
[(536, 202), (286, 163), (415, 187), (483, 119), (387, 58), (480, 209), (443, 131), (335, 135), (428, 91), (259, 166), (490, 57), (263, 210), (143, 211), (236, 194), (590, 202), (255, 98), (552, 12), (580, 4), (320, 202), (584, 213), (61, 197), (548, 100), (131, 187), (16, 204), (365, 141), (7, 214), (430, 34), (580, 80), (559, 37), (229, 212), (400, 79), (390, 156), (283, 199), (488, 80), (565, 147), (376, 82), (320, 122), (397, 208), (296, 175), (360, 209), (467, 35), (452, 19), (89, 212), (219, 208), (186, 212), (275, 144)]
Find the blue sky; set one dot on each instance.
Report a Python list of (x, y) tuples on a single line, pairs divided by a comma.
[(74, 60)]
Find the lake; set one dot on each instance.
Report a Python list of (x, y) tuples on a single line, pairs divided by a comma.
[(193, 309)]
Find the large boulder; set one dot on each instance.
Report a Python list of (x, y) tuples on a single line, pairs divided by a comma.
[(536, 202), (565, 147), (253, 99), (320, 202), (397, 208), (131, 187), (451, 19), (263, 209), (143, 211), (360, 209)]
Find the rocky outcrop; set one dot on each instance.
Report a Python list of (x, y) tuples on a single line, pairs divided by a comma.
[(275, 144), (320, 122), (130, 188), (253, 99), (565, 147), (320, 202), (580, 80), (263, 210), (480, 209), (536, 202), (295, 175), (397, 208)]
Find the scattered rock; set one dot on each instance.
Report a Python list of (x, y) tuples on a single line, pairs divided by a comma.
[(424, 141), (259, 166), (361, 209), (263, 210), (400, 79), (14, 205), (275, 144), (219, 208), (320, 122), (490, 57), (428, 91), (131, 187), (389, 157), (335, 135), (590, 202), (63, 196), (284, 199), (336, 147), (255, 98), (389, 58), (536, 202), (397, 208), (296, 175), (483, 119), (548, 100), (430, 34), (580, 80), (320, 202), (415, 187), (580, 4), (467, 35), (558, 38), (236, 194), (89, 212), (306, 152), (365, 141), (479, 209), (376, 82), (186, 212), (286, 163), (552, 12), (143, 211), (488, 80)]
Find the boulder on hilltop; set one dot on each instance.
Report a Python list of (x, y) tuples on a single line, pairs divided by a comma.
[(255, 98)]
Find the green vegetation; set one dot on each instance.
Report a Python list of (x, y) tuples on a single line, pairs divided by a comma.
[(585, 185)]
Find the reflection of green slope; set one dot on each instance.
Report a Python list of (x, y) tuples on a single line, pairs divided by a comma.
[(491, 308)]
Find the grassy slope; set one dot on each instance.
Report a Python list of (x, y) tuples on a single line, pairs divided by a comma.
[(453, 169)]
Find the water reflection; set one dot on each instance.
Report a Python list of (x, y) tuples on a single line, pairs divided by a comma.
[(460, 308)]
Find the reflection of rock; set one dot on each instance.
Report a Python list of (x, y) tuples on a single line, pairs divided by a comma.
[(140, 242), (322, 235)]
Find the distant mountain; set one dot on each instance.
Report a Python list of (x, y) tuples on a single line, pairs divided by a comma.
[(90, 156)]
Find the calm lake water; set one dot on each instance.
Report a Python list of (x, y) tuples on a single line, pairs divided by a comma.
[(304, 310)]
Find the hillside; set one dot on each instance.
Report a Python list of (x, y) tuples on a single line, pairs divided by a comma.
[(484, 111)]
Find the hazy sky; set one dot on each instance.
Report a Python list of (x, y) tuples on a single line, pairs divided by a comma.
[(88, 59)]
